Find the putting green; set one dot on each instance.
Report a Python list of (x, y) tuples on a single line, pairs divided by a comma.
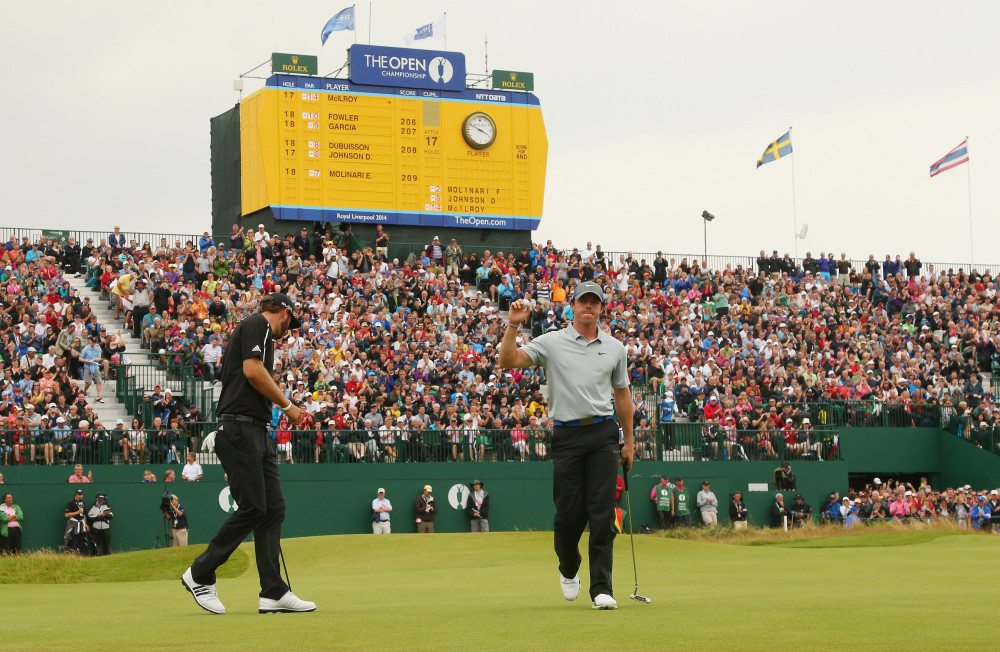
[(500, 591)]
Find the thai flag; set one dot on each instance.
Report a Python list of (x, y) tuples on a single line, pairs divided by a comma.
[(955, 157)]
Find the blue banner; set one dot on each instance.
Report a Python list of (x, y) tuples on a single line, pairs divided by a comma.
[(408, 68), (406, 218), (331, 85)]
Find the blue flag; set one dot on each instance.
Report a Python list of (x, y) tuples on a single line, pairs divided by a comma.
[(777, 149), (342, 21)]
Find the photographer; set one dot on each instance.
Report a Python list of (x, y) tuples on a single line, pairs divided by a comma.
[(174, 511), (784, 478), (801, 512)]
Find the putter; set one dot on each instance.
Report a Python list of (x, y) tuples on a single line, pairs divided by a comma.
[(628, 504)]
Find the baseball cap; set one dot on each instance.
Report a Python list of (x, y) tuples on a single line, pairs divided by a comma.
[(119, 422), (678, 479), (427, 487), (381, 490), (78, 491), (704, 482), (588, 287), (283, 301), (877, 481), (798, 496), (102, 496)]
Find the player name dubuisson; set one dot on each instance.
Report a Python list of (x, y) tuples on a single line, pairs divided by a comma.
[(348, 151)]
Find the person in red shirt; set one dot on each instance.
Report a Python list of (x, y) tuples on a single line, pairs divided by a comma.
[(619, 488)]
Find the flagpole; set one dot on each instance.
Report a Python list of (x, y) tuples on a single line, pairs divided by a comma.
[(354, 12), (795, 219), (968, 173), (446, 31), (369, 23)]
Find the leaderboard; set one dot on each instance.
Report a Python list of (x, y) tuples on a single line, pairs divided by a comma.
[(331, 149)]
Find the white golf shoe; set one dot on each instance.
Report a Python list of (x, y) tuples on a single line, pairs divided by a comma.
[(604, 601), (288, 603), (204, 594), (570, 587)]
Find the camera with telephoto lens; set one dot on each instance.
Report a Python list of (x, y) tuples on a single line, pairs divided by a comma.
[(165, 506)]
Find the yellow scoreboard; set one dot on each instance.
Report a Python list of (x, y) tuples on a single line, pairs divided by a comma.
[(329, 149)]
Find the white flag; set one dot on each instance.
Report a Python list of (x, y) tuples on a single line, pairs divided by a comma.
[(430, 30)]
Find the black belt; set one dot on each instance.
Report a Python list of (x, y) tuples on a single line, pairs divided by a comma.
[(243, 419), (589, 421)]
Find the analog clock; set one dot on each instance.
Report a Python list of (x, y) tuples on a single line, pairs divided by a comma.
[(479, 130)]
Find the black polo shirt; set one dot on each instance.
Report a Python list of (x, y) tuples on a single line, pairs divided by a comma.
[(251, 339)]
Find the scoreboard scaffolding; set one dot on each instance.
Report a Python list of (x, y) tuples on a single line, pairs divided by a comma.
[(334, 150)]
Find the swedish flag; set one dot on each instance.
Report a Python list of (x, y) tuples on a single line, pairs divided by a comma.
[(777, 149)]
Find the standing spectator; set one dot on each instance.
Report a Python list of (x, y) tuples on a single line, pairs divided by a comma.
[(74, 539), (662, 496), (90, 356), (117, 240), (192, 471), (381, 513), (141, 298), (738, 511), (682, 505), (801, 512), (178, 522), (994, 505), (426, 508), (779, 513), (435, 251), (71, 257), (236, 238), (99, 518), (708, 504), (205, 241), (381, 242), (11, 518), (452, 258), (478, 508)]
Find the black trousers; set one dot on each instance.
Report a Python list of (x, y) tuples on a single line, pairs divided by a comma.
[(102, 540), (138, 313), (584, 473), (248, 457)]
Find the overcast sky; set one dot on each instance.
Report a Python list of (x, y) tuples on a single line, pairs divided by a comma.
[(655, 111)]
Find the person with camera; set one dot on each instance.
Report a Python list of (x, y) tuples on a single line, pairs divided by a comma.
[(381, 511), (784, 478), (738, 511), (426, 508), (177, 514), (801, 512), (99, 518)]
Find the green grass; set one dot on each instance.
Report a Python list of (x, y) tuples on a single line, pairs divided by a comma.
[(500, 592), (47, 567)]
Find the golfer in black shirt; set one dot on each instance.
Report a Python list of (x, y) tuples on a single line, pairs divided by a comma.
[(248, 456), (585, 367)]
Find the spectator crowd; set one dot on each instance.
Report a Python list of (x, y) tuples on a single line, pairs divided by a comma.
[(395, 359)]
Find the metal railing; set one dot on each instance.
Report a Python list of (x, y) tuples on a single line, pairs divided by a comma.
[(675, 442), (135, 386)]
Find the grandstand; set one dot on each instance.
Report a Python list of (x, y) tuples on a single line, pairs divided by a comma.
[(758, 358)]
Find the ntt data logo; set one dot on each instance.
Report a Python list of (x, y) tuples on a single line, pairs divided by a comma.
[(440, 70)]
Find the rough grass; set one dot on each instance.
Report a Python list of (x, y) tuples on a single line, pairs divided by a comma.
[(48, 567), (821, 536)]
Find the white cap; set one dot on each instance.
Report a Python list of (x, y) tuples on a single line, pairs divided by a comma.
[(877, 481), (381, 490), (119, 422)]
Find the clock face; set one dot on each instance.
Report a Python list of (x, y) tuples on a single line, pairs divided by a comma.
[(479, 130)]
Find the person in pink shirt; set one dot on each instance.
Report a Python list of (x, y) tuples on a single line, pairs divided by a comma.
[(78, 477)]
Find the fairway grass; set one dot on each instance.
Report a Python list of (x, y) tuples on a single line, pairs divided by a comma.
[(500, 591)]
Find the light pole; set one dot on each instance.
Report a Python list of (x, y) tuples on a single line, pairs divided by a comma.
[(707, 217)]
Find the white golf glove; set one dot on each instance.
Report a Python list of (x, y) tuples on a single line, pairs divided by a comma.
[(208, 444)]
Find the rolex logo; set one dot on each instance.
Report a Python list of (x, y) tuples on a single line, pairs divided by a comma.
[(513, 76), (295, 59)]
